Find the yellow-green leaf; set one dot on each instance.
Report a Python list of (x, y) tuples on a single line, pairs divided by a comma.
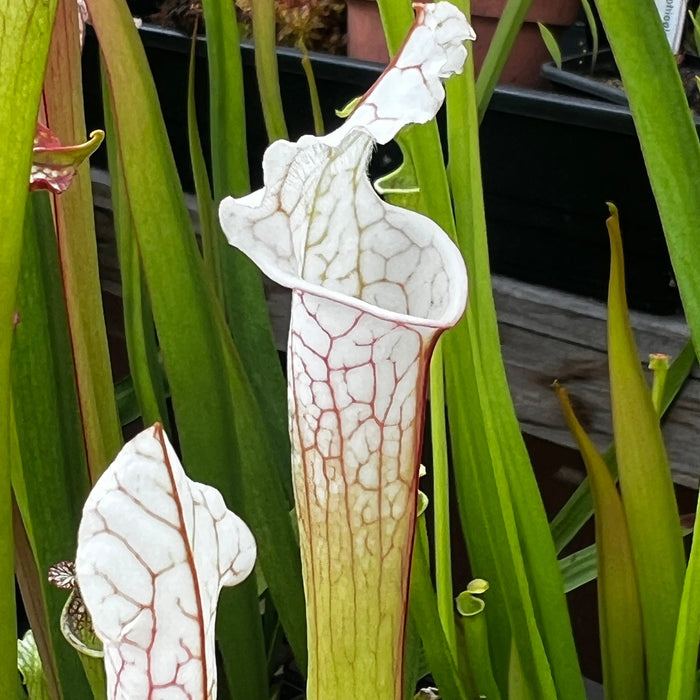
[(619, 611), (645, 480)]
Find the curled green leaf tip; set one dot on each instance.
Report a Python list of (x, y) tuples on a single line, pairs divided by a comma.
[(423, 501), (467, 602), (469, 605), (478, 586), (349, 108), (612, 209)]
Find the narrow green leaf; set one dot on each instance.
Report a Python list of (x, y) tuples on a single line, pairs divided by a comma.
[(551, 44), (319, 128), (696, 29), (579, 508), (667, 134), (127, 405), (25, 32), (226, 100), (147, 379), (265, 37), (518, 688), (683, 683), (501, 44), (95, 672), (579, 567), (645, 481), (593, 29), (622, 647), (441, 499), (47, 417), (415, 665), (240, 280), (208, 226), (424, 613)]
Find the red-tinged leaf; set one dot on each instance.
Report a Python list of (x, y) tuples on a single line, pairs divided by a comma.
[(154, 550), (54, 165), (75, 232)]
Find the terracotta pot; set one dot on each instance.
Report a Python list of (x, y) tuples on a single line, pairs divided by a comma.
[(365, 32), (529, 52), (366, 37)]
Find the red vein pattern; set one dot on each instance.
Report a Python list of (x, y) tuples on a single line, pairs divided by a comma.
[(373, 286), (356, 396), (154, 550)]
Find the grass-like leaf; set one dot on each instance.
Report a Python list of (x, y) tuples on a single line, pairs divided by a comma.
[(222, 442), (579, 508), (147, 379), (53, 467), (619, 612), (75, 231), (667, 134), (683, 683), (237, 278), (265, 36), (424, 614), (24, 41), (645, 481), (579, 567), (502, 42), (551, 44)]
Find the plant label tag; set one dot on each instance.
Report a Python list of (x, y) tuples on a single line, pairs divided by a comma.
[(673, 14)]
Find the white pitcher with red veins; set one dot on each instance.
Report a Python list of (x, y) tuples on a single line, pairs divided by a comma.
[(373, 287)]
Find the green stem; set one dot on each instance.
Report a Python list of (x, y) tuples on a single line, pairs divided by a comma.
[(441, 500), (427, 620), (506, 32), (265, 36), (319, 127), (658, 364)]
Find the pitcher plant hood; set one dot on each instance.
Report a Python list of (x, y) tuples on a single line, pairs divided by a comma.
[(154, 550)]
